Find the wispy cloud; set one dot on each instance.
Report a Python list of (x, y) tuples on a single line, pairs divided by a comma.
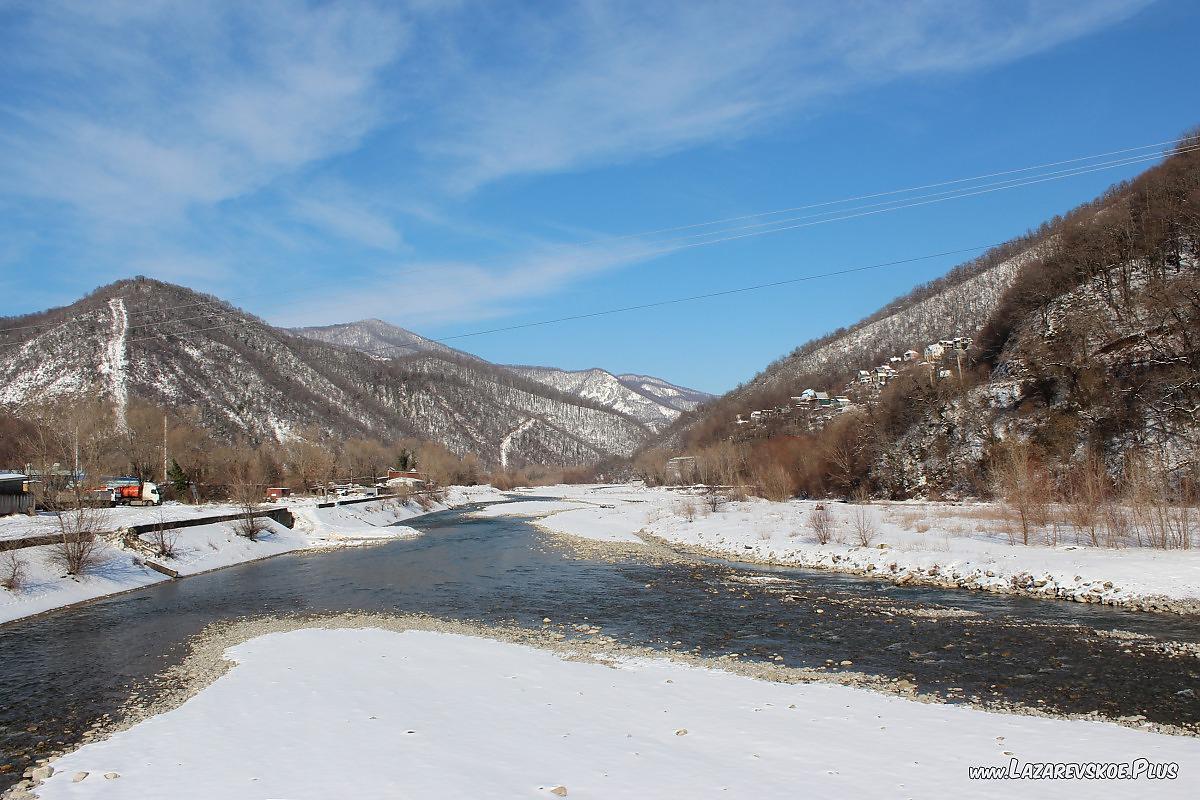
[(604, 82), (140, 111), (180, 137)]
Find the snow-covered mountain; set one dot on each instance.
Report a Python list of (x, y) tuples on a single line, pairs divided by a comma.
[(651, 401), (378, 338), (144, 340), (957, 304)]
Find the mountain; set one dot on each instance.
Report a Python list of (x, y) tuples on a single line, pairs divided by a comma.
[(377, 338), (651, 401), (143, 340), (1082, 352), (957, 304)]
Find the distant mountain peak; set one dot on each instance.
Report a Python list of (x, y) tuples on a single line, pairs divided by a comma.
[(651, 401)]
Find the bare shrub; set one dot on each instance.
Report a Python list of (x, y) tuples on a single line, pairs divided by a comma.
[(163, 539), (862, 521), (714, 500), (1087, 492), (245, 491), (687, 510), (774, 482), (402, 493), (77, 549), (1155, 518), (922, 527), (1116, 525), (820, 522), (12, 572), (1024, 484), (424, 501)]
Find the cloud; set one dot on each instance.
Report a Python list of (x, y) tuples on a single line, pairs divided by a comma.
[(190, 139), (140, 111), (597, 83), (349, 219), (432, 293)]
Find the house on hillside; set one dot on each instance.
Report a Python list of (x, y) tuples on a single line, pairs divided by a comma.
[(822, 399), (935, 351), (911, 355), (864, 376)]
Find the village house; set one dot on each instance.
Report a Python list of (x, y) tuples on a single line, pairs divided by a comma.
[(15, 494)]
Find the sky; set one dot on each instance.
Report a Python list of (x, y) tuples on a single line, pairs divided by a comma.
[(460, 167)]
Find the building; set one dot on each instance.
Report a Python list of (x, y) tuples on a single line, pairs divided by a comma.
[(911, 355), (681, 469), (15, 494), (935, 351), (278, 492), (408, 477)]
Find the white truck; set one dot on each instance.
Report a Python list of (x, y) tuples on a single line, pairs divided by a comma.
[(132, 492)]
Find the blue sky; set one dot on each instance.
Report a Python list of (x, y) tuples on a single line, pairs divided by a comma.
[(455, 167)]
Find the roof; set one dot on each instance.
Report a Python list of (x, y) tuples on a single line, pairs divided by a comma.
[(13, 476)]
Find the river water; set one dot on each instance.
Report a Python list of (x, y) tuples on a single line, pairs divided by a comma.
[(62, 671)]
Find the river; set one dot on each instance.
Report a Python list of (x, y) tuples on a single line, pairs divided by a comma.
[(62, 671)]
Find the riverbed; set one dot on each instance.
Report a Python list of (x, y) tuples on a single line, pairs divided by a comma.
[(62, 673)]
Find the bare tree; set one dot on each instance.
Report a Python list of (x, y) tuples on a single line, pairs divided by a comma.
[(820, 522), (12, 572), (246, 492), (1087, 494), (163, 538), (714, 499), (862, 520), (1024, 484)]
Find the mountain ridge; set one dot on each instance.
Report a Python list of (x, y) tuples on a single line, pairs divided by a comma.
[(129, 342), (652, 401)]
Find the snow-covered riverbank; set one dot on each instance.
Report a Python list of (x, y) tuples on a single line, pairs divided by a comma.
[(964, 546), (201, 548), (362, 711)]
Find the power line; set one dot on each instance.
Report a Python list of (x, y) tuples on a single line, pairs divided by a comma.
[(704, 239), (711, 223), (637, 307)]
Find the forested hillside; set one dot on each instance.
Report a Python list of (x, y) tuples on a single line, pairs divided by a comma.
[(146, 342), (1083, 352)]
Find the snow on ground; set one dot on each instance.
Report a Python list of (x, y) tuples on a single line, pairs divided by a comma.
[(317, 713), (962, 545), (16, 526), (203, 547)]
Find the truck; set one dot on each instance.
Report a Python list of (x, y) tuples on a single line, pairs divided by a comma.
[(132, 492)]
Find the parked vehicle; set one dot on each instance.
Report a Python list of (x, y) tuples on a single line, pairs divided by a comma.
[(132, 492)]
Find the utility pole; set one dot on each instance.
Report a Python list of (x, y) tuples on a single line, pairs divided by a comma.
[(164, 448)]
